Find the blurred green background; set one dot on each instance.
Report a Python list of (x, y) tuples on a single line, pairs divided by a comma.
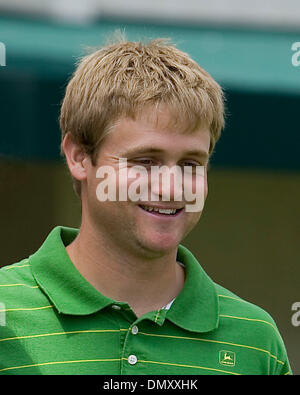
[(248, 237)]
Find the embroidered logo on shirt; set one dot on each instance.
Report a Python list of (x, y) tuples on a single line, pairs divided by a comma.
[(227, 358)]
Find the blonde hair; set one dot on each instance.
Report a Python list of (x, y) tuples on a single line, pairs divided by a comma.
[(123, 77)]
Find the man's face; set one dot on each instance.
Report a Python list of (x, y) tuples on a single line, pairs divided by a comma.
[(136, 225)]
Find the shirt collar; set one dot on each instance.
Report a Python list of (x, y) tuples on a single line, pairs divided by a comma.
[(55, 273), (195, 308)]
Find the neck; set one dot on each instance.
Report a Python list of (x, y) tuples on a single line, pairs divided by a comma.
[(145, 283)]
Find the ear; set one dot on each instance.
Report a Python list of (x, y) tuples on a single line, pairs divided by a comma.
[(75, 156)]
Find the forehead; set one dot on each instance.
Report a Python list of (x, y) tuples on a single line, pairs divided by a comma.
[(156, 127), (169, 117)]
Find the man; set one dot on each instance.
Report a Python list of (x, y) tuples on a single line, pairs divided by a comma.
[(121, 295)]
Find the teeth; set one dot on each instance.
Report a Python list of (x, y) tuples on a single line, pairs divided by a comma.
[(167, 211), (160, 210)]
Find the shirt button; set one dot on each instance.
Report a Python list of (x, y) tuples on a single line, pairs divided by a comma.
[(134, 330), (132, 359), (116, 307)]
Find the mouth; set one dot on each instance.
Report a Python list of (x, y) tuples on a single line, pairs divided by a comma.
[(162, 212)]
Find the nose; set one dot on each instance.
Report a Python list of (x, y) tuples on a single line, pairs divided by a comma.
[(166, 183)]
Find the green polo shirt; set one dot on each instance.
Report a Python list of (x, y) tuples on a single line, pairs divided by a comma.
[(52, 321)]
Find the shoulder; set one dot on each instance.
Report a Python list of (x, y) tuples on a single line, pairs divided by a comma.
[(231, 304), (251, 327), (16, 272), (17, 284)]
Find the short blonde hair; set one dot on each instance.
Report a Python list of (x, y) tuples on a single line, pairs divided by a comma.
[(123, 77)]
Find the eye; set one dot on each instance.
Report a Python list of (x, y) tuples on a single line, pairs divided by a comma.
[(144, 161), (191, 163), (192, 166)]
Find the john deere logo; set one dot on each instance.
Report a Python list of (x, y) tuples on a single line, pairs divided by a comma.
[(227, 358)]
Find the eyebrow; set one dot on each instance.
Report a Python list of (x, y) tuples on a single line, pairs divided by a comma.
[(139, 150)]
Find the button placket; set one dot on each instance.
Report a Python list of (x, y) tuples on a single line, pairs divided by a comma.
[(132, 359), (130, 353)]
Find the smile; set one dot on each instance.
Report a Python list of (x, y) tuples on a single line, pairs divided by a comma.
[(163, 211)]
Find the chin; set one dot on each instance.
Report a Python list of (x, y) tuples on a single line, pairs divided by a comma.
[(160, 243)]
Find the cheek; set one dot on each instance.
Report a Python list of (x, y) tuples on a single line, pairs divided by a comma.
[(191, 221)]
